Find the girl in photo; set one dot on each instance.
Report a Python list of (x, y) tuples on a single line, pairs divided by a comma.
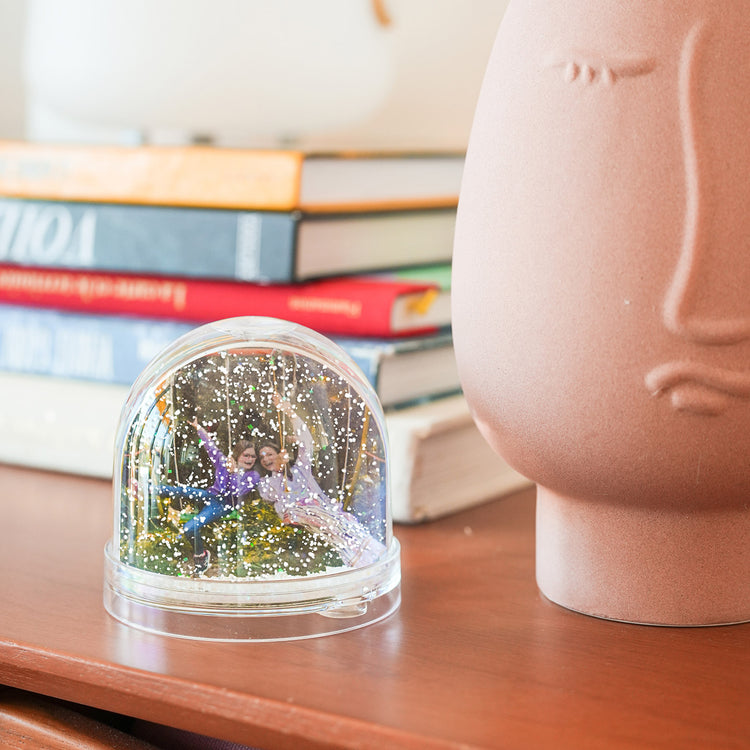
[(290, 486)]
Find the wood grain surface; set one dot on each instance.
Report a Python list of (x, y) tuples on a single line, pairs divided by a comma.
[(475, 657)]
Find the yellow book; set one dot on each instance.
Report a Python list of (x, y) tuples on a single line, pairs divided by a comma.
[(232, 178)]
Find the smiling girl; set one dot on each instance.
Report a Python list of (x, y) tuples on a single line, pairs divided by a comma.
[(234, 478), (290, 486)]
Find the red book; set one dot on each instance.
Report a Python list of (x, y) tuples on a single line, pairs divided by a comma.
[(347, 306)]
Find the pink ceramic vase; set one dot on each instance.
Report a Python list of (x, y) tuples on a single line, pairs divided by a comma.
[(602, 297)]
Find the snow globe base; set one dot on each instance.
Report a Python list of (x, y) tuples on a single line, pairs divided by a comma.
[(252, 496), (271, 610)]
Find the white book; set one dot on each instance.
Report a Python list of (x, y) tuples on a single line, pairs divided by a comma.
[(69, 426), (59, 424), (440, 463)]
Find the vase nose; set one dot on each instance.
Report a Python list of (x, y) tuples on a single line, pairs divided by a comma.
[(708, 299)]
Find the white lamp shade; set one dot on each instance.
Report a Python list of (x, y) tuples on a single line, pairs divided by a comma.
[(241, 68)]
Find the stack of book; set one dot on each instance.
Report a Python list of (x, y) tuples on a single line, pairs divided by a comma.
[(107, 254)]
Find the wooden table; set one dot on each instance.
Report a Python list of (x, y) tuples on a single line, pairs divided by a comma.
[(475, 657)]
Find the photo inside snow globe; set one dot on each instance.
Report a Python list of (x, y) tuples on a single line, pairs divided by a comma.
[(250, 463)]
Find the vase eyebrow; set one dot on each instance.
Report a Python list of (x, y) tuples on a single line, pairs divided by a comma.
[(599, 66)]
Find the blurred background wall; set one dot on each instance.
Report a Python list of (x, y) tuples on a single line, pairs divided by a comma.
[(12, 18)]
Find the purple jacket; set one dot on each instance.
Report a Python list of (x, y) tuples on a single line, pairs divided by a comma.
[(227, 482)]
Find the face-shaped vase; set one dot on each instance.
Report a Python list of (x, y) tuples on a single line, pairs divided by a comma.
[(602, 297)]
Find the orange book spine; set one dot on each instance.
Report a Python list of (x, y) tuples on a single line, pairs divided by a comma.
[(158, 175)]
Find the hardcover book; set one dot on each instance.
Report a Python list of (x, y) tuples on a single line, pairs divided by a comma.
[(380, 305), (407, 369), (113, 349), (440, 463), (262, 246), (65, 425), (208, 176)]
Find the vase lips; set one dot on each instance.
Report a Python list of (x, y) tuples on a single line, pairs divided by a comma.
[(697, 387)]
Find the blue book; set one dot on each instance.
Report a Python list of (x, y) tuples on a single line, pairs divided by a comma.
[(263, 246), (115, 350), (406, 370), (71, 345)]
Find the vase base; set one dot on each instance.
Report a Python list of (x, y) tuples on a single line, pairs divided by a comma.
[(649, 566), (717, 624)]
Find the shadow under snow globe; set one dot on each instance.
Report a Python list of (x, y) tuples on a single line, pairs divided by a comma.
[(251, 490)]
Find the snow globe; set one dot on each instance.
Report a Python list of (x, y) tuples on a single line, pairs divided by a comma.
[(251, 490)]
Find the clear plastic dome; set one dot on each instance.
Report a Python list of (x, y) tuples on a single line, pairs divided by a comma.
[(251, 490)]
